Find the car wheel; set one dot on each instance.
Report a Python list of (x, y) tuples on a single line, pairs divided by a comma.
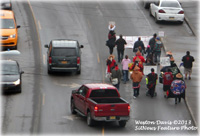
[(20, 89), (73, 107), (146, 5), (15, 48), (78, 72), (150, 12), (156, 20), (122, 123), (90, 121), (49, 71)]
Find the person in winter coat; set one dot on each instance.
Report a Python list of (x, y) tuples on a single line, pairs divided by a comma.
[(139, 45), (120, 47), (136, 77), (116, 74), (167, 80), (111, 40), (125, 63), (187, 63), (157, 49), (139, 55), (152, 77), (178, 87), (110, 63), (152, 42)]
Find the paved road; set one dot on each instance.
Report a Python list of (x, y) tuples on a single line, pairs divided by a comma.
[(44, 102)]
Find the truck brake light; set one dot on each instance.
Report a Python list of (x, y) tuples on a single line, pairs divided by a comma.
[(129, 108), (78, 60), (95, 108), (50, 60)]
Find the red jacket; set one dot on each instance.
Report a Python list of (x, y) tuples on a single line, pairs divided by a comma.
[(167, 78)]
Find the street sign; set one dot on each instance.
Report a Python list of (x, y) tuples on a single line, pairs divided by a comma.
[(165, 61), (147, 69)]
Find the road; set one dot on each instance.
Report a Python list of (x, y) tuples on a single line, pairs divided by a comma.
[(43, 107)]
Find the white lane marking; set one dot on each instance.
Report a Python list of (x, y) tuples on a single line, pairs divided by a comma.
[(44, 59), (39, 25)]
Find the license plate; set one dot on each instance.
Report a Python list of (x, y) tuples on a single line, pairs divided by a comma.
[(171, 18), (112, 117), (64, 62)]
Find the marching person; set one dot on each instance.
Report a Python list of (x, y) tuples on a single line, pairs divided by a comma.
[(167, 80), (125, 63), (178, 87), (152, 77), (110, 64), (157, 50), (187, 63), (136, 77), (116, 76), (139, 45), (120, 47), (152, 42), (111, 38)]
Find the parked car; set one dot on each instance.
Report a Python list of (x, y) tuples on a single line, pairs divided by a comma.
[(100, 102), (9, 36), (167, 10), (6, 4), (64, 56), (11, 76)]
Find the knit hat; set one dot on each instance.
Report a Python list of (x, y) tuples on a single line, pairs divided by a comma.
[(136, 68), (179, 75)]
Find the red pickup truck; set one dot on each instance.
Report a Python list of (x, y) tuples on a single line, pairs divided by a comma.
[(100, 102)]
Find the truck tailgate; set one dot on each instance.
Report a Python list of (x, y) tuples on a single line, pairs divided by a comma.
[(112, 109)]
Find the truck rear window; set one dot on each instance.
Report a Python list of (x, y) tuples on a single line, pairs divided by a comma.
[(104, 93)]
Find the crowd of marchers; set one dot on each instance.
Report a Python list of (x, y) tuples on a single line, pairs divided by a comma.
[(171, 77)]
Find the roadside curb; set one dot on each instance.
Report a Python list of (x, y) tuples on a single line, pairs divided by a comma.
[(190, 26)]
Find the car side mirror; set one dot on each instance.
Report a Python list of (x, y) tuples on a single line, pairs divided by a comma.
[(22, 72), (81, 46), (18, 26), (74, 92), (46, 46)]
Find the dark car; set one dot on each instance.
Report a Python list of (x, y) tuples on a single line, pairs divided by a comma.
[(6, 4), (11, 76), (64, 56)]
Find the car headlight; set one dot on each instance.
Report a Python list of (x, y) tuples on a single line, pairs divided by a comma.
[(17, 82), (13, 36)]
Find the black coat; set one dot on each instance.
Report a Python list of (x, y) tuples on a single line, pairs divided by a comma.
[(187, 61), (120, 44)]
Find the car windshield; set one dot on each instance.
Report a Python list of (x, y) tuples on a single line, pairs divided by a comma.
[(7, 24), (9, 69), (170, 4), (64, 52)]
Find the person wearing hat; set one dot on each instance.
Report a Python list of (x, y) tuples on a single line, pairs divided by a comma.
[(110, 63), (111, 40), (152, 78), (116, 76), (157, 50), (178, 87), (139, 60), (136, 78)]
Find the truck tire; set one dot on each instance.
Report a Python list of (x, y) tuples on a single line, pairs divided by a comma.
[(122, 123), (90, 121), (73, 107)]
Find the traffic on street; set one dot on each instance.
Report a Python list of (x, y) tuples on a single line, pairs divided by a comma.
[(99, 67)]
